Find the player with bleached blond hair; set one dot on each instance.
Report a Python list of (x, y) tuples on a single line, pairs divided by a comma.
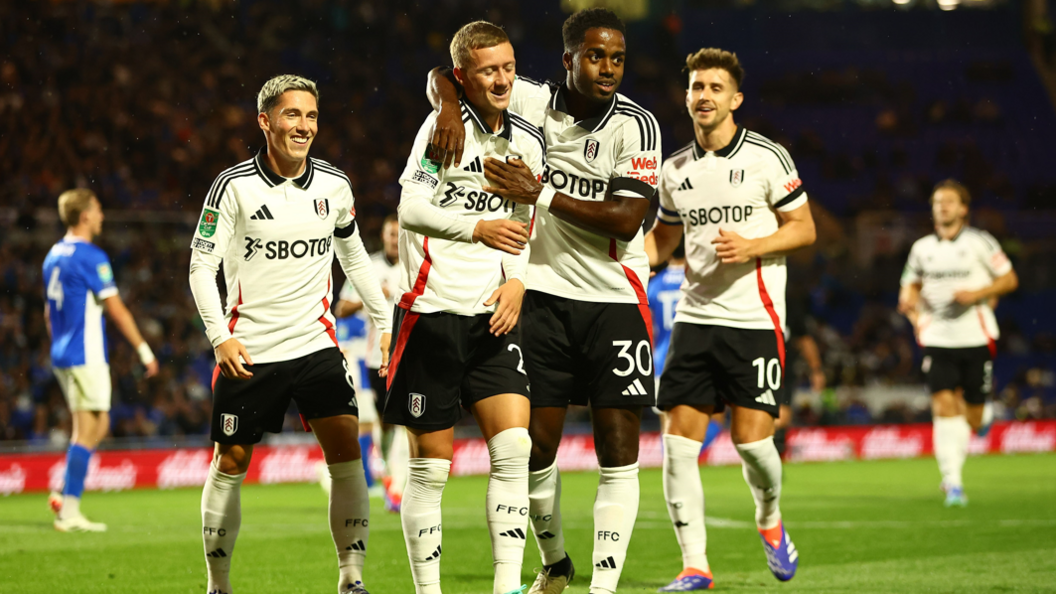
[(276, 222)]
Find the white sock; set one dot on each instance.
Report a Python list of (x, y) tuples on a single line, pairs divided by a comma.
[(221, 519), (615, 511), (420, 516), (544, 510), (951, 436), (349, 519), (685, 499), (399, 453), (507, 502), (761, 466)]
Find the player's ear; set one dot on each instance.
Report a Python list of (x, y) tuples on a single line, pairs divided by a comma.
[(738, 98), (566, 60), (460, 76), (263, 121)]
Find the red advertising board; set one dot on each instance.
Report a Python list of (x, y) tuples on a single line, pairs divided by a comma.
[(114, 470)]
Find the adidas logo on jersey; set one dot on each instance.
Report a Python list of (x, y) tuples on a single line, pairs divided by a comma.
[(218, 553), (635, 389), (608, 563), (766, 397), (262, 214), (435, 555), (356, 546), (686, 185), (474, 167), (515, 533)]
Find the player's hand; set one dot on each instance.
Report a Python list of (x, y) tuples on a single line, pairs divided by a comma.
[(965, 297), (152, 369), (731, 248), (449, 134), (512, 180), (384, 342), (502, 234), (509, 297), (227, 357)]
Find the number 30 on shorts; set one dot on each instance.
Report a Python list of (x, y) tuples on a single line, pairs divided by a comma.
[(642, 358), (769, 372)]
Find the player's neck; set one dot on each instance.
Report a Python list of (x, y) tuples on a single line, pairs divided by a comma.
[(81, 232), (579, 106), (950, 231), (283, 167), (718, 137)]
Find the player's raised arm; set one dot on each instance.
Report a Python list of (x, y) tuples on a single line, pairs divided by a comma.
[(448, 134)]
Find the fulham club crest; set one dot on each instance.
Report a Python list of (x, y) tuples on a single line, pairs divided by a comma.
[(416, 404), (322, 207), (590, 150), (736, 177), (229, 423)]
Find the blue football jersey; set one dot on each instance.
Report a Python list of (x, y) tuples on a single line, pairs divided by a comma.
[(77, 278), (664, 290)]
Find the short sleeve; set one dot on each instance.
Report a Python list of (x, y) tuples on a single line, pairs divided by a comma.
[(785, 188), (912, 274), (993, 257), (345, 224), (530, 99), (425, 166), (668, 213), (638, 160), (99, 274), (216, 225)]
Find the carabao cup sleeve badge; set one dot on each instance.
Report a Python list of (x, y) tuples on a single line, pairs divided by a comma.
[(207, 226)]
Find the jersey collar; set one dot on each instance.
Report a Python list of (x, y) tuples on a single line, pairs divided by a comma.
[(274, 179), (559, 103), (727, 151), (470, 112)]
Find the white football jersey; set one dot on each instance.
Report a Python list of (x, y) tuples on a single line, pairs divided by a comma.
[(736, 188), (458, 276), (968, 262), (388, 274), (619, 148), (276, 239)]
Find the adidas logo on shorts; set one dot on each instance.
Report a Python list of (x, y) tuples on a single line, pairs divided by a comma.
[(635, 389), (767, 397)]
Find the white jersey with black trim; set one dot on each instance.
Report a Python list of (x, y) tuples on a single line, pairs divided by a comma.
[(737, 188), (388, 274), (968, 262), (275, 236), (619, 149), (442, 269)]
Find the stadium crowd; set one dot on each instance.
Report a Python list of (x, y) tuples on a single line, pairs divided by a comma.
[(172, 104)]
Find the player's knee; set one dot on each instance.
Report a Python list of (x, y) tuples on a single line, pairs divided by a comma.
[(509, 451), (542, 454), (616, 452), (232, 459)]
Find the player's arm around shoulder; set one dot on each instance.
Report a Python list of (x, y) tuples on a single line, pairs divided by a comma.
[(663, 238)]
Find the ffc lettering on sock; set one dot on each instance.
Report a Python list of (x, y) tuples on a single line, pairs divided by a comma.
[(544, 511), (684, 495), (349, 514), (507, 505), (421, 519), (615, 512), (221, 520)]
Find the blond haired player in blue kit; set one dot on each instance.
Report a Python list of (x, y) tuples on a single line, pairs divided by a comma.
[(276, 223), (948, 286), (740, 203)]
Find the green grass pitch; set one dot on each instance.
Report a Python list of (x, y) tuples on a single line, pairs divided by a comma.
[(859, 527)]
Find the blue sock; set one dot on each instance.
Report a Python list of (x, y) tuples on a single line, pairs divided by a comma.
[(76, 468), (365, 443), (714, 429)]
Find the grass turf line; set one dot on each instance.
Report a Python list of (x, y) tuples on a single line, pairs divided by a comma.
[(860, 527)]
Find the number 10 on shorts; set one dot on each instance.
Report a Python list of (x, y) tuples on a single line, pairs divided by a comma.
[(769, 372)]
